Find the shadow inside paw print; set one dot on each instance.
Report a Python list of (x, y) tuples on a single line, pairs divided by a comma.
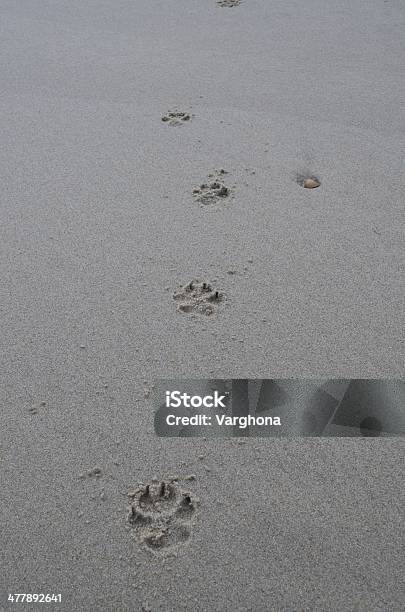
[(161, 515), (197, 297), (176, 117)]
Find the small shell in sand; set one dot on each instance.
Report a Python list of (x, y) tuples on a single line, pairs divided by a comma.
[(310, 183)]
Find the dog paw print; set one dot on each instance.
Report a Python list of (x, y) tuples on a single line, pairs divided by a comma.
[(161, 514), (228, 3), (176, 118), (197, 297), (213, 191)]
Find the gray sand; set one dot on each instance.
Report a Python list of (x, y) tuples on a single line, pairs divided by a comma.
[(98, 227)]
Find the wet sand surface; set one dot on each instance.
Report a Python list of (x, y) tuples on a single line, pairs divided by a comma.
[(111, 199)]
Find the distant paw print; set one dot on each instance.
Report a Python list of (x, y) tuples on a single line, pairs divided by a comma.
[(176, 117), (228, 3), (161, 515)]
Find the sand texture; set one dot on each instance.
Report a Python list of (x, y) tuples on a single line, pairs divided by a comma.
[(117, 118)]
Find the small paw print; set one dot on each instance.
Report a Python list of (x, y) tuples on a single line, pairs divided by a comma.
[(228, 3), (176, 118)]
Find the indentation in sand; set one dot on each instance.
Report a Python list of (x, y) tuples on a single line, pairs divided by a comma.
[(161, 514), (212, 191), (34, 409), (96, 471), (198, 297), (176, 117), (228, 3)]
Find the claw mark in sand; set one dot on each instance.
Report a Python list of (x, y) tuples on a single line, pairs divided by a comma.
[(176, 118), (197, 297), (161, 515)]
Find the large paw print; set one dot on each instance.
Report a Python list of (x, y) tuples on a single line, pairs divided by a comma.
[(161, 515)]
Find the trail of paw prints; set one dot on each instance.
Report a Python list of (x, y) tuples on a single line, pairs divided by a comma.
[(198, 297), (161, 515), (212, 191), (176, 118), (228, 3)]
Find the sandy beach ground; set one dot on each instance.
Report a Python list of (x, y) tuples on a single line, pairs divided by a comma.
[(103, 217)]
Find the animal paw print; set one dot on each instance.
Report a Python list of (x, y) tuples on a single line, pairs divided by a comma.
[(197, 297), (176, 117), (228, 3), (161, 515), (210, 193)]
